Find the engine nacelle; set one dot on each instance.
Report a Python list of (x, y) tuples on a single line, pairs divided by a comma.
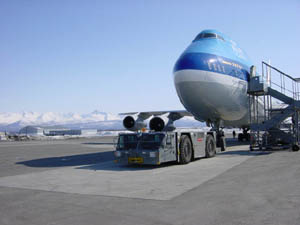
[(134, 123), (161, 124)]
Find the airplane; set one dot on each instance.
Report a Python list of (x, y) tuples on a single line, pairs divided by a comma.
[(211, 78)]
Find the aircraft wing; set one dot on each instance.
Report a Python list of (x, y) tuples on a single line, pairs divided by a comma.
[(135, 120), (172, 114)]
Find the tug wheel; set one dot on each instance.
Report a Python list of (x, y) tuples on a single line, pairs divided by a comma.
[(210, 147), (186, 150)]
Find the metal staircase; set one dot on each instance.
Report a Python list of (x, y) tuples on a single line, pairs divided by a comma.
[(267, 120)]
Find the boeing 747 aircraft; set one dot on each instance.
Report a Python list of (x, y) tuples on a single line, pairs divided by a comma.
[(210, 78)]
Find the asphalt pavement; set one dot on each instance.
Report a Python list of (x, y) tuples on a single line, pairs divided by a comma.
[(76, 182)]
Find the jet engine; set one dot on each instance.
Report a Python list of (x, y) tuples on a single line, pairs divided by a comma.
[(134, 123), (162, 121), (161, 124)]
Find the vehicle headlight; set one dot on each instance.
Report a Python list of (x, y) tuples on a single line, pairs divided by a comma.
[(117, 153), (152, 154)]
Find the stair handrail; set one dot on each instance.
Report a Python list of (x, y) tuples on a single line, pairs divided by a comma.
[(294, 81)]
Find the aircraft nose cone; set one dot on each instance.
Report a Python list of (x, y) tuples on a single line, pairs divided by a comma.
[(206, 93), (187, 70)]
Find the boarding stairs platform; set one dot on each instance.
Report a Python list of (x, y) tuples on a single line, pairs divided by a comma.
[(267, 122)]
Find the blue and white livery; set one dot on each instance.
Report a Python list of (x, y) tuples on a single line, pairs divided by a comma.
[(211, 80)]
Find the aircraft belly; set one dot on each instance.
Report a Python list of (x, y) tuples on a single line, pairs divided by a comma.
[(213, 96)]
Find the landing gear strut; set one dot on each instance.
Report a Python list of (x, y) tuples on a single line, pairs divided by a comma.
[(221, 142), (245, 136)]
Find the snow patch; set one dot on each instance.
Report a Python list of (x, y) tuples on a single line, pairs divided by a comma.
[(94, 120)]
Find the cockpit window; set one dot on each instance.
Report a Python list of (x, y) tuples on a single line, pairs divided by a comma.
[(208, 35)]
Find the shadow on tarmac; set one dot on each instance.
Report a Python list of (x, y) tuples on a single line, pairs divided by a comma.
[(95, 161), (230, 142), (73, 160), (111, 166), (97, 143), (245, 153)]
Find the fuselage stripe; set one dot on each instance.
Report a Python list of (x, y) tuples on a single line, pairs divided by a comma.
[(212, 63)]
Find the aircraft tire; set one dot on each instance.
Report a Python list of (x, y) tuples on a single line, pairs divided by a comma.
[(240, 137), (210, 147), (186, 149), (295, 148), (247, 137)]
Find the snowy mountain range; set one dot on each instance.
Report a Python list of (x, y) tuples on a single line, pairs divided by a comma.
[(95, 120)]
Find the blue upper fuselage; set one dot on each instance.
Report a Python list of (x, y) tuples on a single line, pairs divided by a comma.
[(215, 52)]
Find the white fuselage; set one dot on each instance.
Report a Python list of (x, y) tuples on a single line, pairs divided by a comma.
[(211, 79), (213, 97)]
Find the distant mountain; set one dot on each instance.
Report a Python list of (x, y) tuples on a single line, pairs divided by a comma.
[(13, 122)]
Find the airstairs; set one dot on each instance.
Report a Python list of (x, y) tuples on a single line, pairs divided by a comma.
[(274, 109)]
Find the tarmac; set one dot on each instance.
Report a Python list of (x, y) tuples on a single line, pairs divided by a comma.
[(76, 182)]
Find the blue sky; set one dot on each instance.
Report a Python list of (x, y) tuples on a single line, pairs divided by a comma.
[(118, 56)]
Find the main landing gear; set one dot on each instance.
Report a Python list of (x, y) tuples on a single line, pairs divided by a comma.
[(221, 142), (245, 136), (220, 138)]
